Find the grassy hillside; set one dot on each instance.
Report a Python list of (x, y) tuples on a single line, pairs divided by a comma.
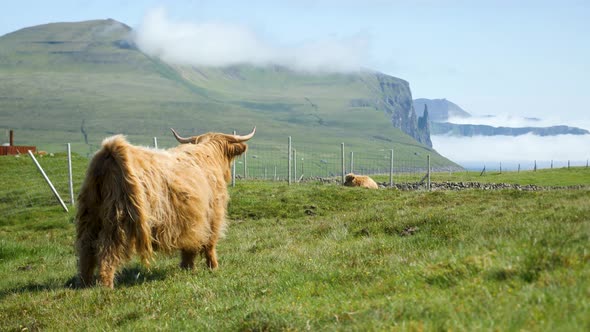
[(296, 258), (60, 80)]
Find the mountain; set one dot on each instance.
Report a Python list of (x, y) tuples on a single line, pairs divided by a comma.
[(79, 82), (441, 110)]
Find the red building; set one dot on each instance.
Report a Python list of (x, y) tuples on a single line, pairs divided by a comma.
[(12, 149)]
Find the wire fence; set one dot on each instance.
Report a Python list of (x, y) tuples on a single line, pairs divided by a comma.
[(304, 163), (23, 186)]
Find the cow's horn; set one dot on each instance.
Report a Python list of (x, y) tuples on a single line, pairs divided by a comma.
[(182, 140), (245, 137)]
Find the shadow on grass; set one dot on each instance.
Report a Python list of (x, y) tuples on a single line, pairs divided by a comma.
[(127, 277)]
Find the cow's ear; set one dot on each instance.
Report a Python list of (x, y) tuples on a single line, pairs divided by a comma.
[(236, 149)]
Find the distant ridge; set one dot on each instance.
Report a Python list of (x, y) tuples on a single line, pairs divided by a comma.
[(441, 110)]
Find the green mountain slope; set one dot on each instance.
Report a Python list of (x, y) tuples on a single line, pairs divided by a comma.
[(79, 82)]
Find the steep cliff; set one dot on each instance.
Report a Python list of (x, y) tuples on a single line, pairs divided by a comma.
[(440, 110), (396, 100)]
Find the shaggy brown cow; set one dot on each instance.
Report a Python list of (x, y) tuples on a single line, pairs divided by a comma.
[(137, 199), (353, 180)]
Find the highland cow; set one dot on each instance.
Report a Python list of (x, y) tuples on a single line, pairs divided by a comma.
[(353, 180), (136, 200)]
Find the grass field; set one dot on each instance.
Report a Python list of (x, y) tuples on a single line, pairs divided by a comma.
[(325, 257)]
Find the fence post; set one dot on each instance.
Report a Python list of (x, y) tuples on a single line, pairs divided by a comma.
[(351, 162), (233, 170), (428, 159), (295, 164), (70, 174), (535, 169), (568, 164), (302, 169), (551, 163), (518, 168), (275, 178), (289, 151), (342, 156), (155, 142), (391, 169), (63, 205), (245, 164), (500, 167)]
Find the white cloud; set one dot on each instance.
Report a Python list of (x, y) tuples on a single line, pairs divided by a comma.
[(495, 149), (221, 44), (506, 120)]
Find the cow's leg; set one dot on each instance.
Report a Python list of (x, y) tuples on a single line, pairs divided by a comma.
[(106, 273), (188, 258), (211, 255), (87, 228), (86, 264), (109, 256), (217, 222)]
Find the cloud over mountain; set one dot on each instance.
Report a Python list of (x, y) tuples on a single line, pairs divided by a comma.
[(220, 44)]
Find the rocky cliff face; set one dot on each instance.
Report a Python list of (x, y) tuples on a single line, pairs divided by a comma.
[(396, 100), (440, 110)]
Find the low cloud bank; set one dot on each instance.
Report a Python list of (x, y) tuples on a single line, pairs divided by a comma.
[(221, 44), (507, 120), (495, 149)]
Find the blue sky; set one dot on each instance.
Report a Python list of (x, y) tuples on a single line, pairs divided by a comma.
[(521, 58)]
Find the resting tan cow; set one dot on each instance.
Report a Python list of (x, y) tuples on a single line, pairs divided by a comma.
[(135, 200), (353, 180)]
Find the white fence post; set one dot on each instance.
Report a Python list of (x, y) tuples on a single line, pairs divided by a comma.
[(233, 170), (351, 162), (342, 156), (428, 160), (245, 164), (295, 164), (63, 205), (70, 174), (391, 169), (289, 163), (155, 142)]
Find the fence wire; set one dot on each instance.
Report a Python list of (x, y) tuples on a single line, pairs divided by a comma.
[(26, 187), (22, 186)]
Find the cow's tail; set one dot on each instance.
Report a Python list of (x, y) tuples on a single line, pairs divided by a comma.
[(121, 200)]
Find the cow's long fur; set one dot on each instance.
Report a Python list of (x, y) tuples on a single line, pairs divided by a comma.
[(353, 180), (136, 200)]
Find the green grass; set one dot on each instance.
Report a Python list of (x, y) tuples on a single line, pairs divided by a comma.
[(543, 177), (558, 177), (326, 257)]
